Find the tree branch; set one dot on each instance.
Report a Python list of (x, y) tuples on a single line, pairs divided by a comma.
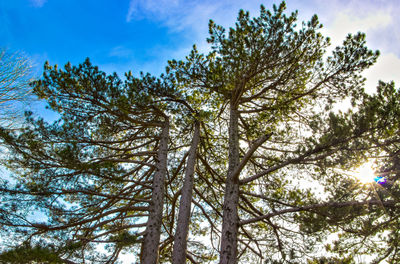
[(390, 203), (258, 142)]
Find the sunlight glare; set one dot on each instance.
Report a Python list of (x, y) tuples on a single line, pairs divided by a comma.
[(365, 173)]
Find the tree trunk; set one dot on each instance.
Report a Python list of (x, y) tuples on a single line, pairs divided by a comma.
[(149, 252), (182, 228), (230, 220)]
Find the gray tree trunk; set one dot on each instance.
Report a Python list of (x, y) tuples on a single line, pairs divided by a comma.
[(230, 220), (151, 241), (182, 227)]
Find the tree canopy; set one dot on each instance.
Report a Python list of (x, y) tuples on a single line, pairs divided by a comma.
[(233, 156), (15, 76)]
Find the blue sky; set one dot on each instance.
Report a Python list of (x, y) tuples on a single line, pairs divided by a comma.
[(61, 31), (141, 35)]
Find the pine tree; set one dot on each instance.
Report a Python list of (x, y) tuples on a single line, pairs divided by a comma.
[(241, 144), (98, 170)]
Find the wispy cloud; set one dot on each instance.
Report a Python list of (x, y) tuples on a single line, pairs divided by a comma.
[(138, 9), (120, 52), (178, 15), (339, 16), (352, 18), (386, 69), (191, 16), (379, 19), (38, 3), (347, 22)]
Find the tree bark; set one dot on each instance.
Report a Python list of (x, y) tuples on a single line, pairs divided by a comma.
[(151, 241), (182, 228), (230, 219)]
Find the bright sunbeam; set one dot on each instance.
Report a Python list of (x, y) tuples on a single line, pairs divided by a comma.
[(366, 174)]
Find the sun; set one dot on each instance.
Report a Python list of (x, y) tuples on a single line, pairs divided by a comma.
[(365, 173)]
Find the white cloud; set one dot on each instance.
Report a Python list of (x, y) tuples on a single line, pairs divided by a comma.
[(138, 9), (377, 18), (191, 16), (339, 16), (120, 52), (347, 22), (386, 69), (38, 3)]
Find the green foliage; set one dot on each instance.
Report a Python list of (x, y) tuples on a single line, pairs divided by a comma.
[(124, 239), (27, 254), (80, 170), (333, 260)]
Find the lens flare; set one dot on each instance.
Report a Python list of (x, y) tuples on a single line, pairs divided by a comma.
[(380, 180), (365, 173)]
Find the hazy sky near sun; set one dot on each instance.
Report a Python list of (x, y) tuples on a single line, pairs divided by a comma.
[(141, 35)]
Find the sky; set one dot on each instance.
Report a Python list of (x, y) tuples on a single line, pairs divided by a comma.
[(142, 35)]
